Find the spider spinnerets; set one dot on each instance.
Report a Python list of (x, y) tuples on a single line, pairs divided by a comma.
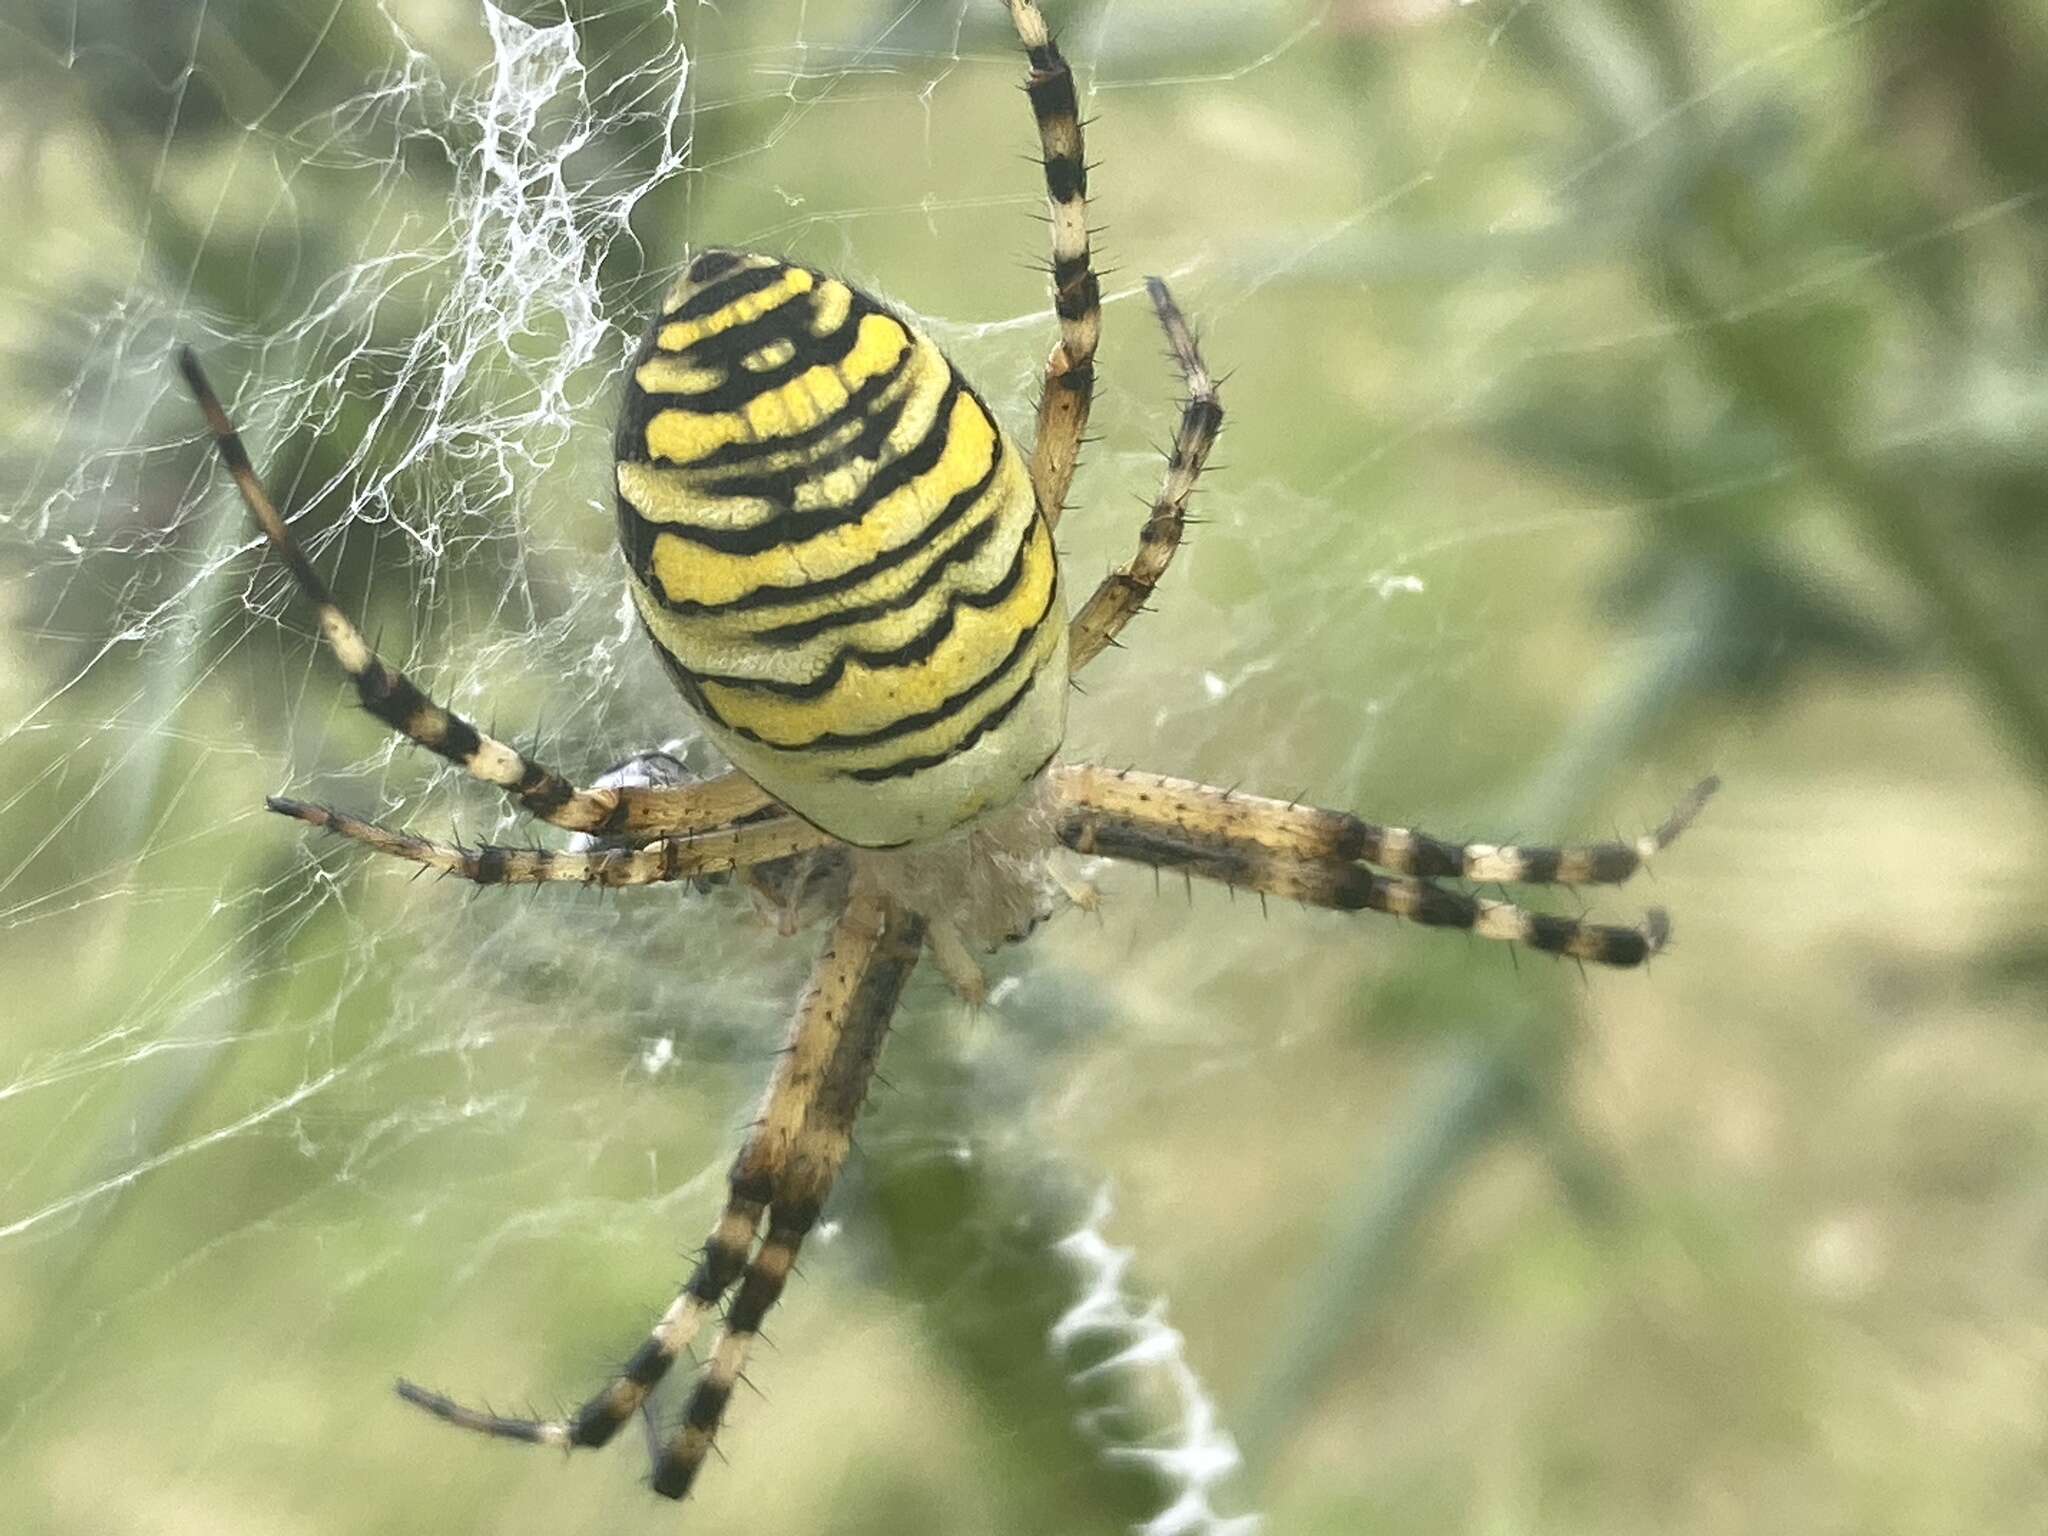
[(847, 567)]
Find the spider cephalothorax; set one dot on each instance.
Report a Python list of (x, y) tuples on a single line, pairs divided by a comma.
[(847, 566)]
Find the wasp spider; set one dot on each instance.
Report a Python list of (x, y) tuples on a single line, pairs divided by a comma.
[(847, 566)]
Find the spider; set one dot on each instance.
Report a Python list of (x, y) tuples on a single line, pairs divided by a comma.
[(847, 567)]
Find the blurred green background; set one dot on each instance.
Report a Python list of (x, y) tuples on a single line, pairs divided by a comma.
[(1619, 390)]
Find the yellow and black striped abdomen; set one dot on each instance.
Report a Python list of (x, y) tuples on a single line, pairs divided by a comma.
[(836, 549)]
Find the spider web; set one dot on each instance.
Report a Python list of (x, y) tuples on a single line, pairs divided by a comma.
[(277, 1123)]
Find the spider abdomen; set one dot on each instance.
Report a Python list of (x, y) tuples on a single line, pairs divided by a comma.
[(836, 550)]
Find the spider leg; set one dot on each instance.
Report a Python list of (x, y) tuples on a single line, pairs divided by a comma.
[(1124, 592), (956, 961), (395, 699), (1205, 816), (1312, 856), (643, 814), (682, 857), (856, 987), (1069, 387), (820, 1076)]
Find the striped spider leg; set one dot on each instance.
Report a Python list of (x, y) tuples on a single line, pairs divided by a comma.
[(1327, 858), (627, 814), (785, 1169), (1124, 592), (683, 856), (1069, 386)]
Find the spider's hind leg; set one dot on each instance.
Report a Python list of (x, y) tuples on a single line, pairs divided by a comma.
[(1324, 858), (857, 985), (784, 1170), (1204, 815)]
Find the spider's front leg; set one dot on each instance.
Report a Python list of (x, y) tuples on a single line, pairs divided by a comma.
[(1123, 593), (785, 1169), (1069, 386), (1327, 858), (1068, 390), (625, 814)]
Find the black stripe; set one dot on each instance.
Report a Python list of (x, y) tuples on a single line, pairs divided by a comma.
[(751, 1305), (945, 709), (735, 285), (736, 455), (302, 567), (594, 1424), (1205, 418), (769, 597), (909, 654), (1426, 856), (788, 321), (791, 321), (808, 629), (719, 1267), (785, 322), (233, 454), (672, 1476), (1066, 177), (808, 351), (649, 1363), (1616, 946), (1432, 860), (685, 684), (739, 457), (1051, 87), (790, 526), (713, 264), (1439, 908), (1553, 935), (759, 1292), (877, 422), (911, 765), (394, 699), (1611, 863), (707, 1405), (637, 533), (1539, 865), (1358, 889), (1084, 297), (542, 792)]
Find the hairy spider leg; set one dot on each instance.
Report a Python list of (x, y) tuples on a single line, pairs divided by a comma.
[(861, 981), (682, 857), (784, 1169), (1295, 852), (1206, 816), (395, 699), (1125, 591), (1069, 386)]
